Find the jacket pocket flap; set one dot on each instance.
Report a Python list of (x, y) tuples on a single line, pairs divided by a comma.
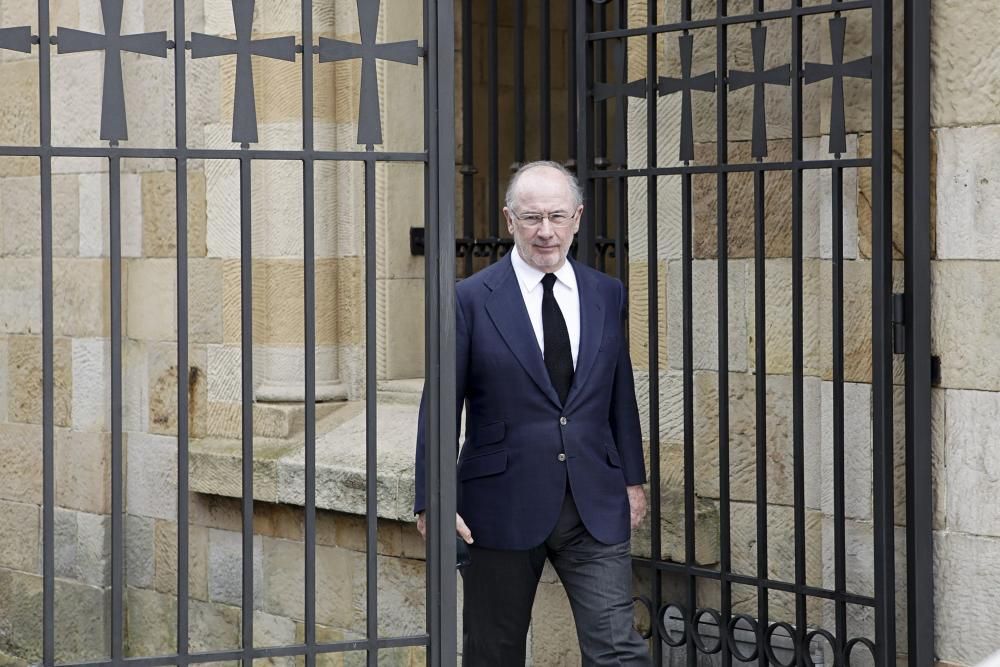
[(483, 465), (490, 433), (613, 457)]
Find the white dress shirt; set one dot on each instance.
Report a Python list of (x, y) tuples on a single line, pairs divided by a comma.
[(565, 291)]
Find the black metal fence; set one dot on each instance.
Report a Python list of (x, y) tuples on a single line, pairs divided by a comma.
[(437, 52)]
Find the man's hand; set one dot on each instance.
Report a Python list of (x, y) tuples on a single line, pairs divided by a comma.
[(460, 527), (636, 504)]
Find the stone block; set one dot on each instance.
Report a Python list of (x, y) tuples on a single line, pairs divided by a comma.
[(151, 312), (20, 199), (638, 313), (214, 626), (20, 287), (205, 282), (83, 471), (857, 339), (965, 580), (402, 593), (741, 204), (968, 193), (151, 475), (93, 551), (21, 463), (225, 567), (553, 634), (270, 630), (159, 214), (139, 551), (283, 584), (19, 110), (213, 511), (65, 543), (4, 381), (91, 384), (95, 213), (281, 521), (165, 548), (671, 405), (743, 435), (973, 463), (966, 87), (401, 336), (865, 195), (849, 202), (858, 453), (21, 614), (341, 575), (401, 194), (20, 545), (224, 384), (162, 389), (81, 298), (340, 203), (152, 622), (963, 330), (704, 287), (780, 542), (25, 379)]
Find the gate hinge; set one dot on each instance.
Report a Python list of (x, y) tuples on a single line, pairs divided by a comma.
[(898, 323)]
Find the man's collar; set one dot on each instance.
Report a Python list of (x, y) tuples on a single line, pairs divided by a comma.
[(529, 276)]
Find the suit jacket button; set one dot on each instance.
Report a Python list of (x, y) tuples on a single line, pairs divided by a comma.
[(562, 456), (562, 421)]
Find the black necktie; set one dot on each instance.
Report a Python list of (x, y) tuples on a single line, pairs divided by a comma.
[(558, 353)]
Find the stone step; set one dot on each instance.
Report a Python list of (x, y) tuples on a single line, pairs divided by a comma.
[(285, 420)]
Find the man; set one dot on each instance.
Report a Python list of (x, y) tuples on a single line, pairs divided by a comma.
[(552, 463)]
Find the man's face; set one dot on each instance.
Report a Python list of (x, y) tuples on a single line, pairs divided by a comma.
[(543, 191)]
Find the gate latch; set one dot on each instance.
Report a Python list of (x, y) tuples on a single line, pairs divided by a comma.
[(898, 324)]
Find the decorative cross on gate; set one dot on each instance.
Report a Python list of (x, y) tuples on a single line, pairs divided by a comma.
[(758, 78), (16, 39), (686, 84), (331, 50), (243, 47), (621, 92), (858, 69), (113, 122)]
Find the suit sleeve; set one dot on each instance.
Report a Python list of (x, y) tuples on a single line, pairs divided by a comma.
[(461, 369), (624, 417)]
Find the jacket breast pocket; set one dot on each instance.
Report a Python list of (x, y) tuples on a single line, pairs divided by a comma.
[(483, 465), (491, 433)]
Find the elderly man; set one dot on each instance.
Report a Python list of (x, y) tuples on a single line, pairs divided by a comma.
[(552, 463)]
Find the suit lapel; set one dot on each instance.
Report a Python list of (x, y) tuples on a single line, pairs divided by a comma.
[(506, 308), (591, 331)]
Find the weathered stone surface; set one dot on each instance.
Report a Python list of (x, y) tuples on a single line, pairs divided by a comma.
[(19, 536), (152, 622), (4, 381), (963, 329), (140, 550), (25, 379), (20, 200), (214, 626), (968, 193), (159, 214), (225, 567), (93, 551), (95, 212), (704, 277), (21, 463), (401, 334), (965, 581), (283, 582), (741, 205), (857, 450), (151, 475), (20, 287), (205, 282), (81, 299), (165, 577), (966, 84), (857, 339), (671, 404), (271, 630), (401, 596), (865, 194), (553, 635), (151, 313), (973, 462), (780, 542), (341, 575), (638, 313), (162, 389), (19, 110), (83, 471), (91, 390)]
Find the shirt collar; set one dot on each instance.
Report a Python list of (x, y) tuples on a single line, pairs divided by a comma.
[(529, 276)]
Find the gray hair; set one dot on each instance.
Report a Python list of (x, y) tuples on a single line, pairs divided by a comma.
[(574, 185)]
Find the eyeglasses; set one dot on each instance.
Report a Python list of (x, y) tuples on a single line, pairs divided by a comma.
[(556, 219)]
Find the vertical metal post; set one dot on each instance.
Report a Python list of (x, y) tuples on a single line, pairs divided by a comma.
[(917, 252), (468, 135), (585, 129), (882, 389), (246, 339), (440, 323), (839, 516), (117, 473), (760, 371), (493, 100), (520, 115), (371, 412), (545, 83)]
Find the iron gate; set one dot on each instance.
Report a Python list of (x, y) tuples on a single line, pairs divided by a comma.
[(688, 623), (436, 49)]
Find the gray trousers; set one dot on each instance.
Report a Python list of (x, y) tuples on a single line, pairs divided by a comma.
[(499, 588)]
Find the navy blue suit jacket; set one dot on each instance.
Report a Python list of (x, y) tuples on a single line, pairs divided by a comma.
[(511, 481)]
